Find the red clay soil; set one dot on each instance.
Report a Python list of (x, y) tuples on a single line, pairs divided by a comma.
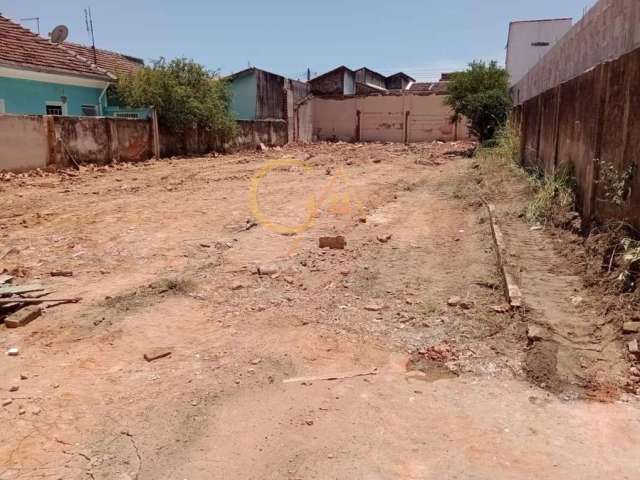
[(217, 261)]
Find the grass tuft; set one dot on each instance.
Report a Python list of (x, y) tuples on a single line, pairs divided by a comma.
[(551, 195), (554, 196)]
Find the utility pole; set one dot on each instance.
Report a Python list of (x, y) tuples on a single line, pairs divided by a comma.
[(308, 74)]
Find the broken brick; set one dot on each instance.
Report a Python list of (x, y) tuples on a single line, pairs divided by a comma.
[(335, 243), (23, 317)]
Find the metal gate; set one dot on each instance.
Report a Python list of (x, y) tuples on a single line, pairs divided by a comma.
[(381, 127)]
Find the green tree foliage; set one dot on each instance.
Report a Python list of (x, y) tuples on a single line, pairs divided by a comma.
[(481, 94), (184, 93)]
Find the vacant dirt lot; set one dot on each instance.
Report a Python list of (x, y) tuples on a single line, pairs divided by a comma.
[(217, 261)]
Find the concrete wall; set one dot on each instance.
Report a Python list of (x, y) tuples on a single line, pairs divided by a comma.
[(610, 29), (271, 133), (100, 140), (29, 142), (529, 41), (303, 123), (23, 143), (298, 111), (385, 118), (250, 134), (592, 125)]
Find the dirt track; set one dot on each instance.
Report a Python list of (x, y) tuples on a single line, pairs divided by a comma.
[(166, 254)]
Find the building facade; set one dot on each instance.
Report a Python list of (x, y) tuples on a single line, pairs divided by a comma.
[(529, 41), (610, 29), (343, 81), (371, 78), (399, 81), (38, 77), (260, 95), (339, 81)]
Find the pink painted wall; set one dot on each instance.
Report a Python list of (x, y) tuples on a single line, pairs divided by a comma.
[(382, 119)]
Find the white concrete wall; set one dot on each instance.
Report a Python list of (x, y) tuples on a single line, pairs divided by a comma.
[(610, 29), (23, 143), (522, 51)]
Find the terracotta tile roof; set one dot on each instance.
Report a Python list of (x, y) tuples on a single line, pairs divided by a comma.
[(434, 87), (113, 62), (22, 48)]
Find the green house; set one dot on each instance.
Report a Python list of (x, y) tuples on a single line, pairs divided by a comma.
[(38, 77)]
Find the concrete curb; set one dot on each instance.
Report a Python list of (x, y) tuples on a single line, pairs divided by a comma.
[(512, 291)]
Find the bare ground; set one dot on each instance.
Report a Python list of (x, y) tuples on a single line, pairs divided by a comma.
[(165, 254)]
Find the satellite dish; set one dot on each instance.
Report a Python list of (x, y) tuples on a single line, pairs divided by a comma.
[(59, 34)]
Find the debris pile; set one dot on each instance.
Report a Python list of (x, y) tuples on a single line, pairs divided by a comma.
[(21, 304), (442, 352)]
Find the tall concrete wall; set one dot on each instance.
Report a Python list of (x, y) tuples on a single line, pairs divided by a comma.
[(385, 118), (591, 124), (610, 29)]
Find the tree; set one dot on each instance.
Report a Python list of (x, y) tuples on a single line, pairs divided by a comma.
[(184, 93), (481, 94)]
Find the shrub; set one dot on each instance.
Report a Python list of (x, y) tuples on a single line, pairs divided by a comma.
[(481, 94), (184, 93)]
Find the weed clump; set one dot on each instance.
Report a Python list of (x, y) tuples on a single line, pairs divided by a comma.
[(553, 199)]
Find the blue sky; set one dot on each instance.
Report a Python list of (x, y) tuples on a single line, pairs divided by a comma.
[(421, 37)]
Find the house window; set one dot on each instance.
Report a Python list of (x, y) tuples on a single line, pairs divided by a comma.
[(89, 110), (54, 108), (130, 115), (2, 110)]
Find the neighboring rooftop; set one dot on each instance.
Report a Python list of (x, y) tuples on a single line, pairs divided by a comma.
[(341, 67), (113, 62), (250, 70), (543, 20), (23, 49), (402, 75), (434, 87)]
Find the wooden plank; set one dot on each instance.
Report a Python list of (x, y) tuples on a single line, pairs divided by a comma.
[(35, 301), (156, 354), (340, 376), (22, 317), (18, 289)]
